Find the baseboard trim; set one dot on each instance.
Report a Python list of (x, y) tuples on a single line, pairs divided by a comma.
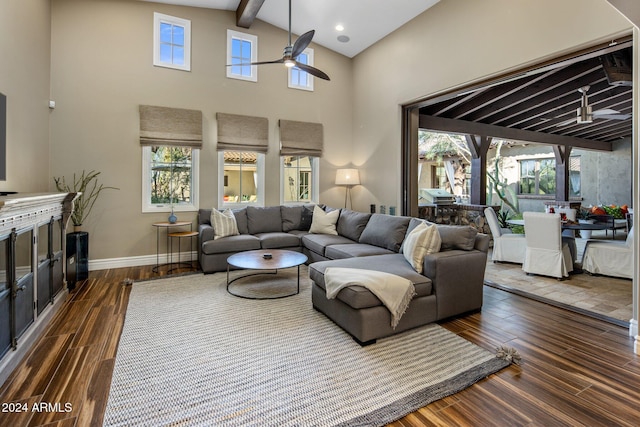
[(136, 261)]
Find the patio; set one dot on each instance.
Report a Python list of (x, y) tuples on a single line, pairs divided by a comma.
[(606, 298)]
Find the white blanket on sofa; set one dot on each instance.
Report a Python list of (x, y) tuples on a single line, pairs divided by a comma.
[(394, 291)]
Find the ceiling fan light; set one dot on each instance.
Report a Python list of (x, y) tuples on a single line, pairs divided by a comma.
[(289, 63)]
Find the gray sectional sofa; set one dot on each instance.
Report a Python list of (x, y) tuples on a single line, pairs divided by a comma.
[(450, 284)]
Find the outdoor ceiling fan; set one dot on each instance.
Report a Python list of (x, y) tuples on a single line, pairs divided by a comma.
[(291, 53), (585, 115)]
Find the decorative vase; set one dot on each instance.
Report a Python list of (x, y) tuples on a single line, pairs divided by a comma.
[(172, 218)]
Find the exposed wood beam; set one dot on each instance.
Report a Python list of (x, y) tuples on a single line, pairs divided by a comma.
[(479, 147), (562, 154), (247, 11), (473, 128)]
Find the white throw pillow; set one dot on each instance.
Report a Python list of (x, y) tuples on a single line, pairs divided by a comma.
[(324, 222), (423, 240), (224, 223)]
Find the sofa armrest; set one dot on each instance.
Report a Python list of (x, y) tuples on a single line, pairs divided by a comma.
[(205, 233), (458, 280)]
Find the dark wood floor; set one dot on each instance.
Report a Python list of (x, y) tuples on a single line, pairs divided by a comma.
[(576, 370)]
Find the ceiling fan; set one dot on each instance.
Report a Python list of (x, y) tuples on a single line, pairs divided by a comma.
[(585, 115), (291, 53)]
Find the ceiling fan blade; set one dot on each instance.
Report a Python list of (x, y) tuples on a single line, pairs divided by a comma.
[(301, 43), (612, 116), (605, 111), (312, 70), (566, 122), (277, 61)]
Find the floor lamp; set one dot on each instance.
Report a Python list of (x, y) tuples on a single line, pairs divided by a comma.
[(349, 178)]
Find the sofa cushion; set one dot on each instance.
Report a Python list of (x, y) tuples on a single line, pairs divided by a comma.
[(385, 231), (423, 240), (296, 217), (278, 240), (457, 237), (224, 223), (264, 219), (354, 250), (241, 242), (324, 222), (318, 242), (241, 220), (307, 217), (359, 297), (291, 217), (351, 224)]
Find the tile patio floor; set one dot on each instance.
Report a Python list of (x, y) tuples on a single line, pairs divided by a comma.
[(608, 297)]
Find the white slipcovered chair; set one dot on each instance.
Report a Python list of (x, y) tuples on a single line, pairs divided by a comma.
[(507, 246), (546, 254), (610, 258)]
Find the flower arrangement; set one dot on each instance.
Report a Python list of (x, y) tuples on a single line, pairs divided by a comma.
[(87, 184)]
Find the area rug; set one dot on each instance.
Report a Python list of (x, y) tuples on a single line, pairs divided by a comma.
[(190, 354)]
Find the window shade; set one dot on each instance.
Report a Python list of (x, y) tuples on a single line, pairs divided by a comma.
[(300, 138), (170, 126), (242, 133)]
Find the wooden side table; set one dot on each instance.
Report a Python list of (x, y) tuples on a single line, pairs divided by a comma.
[(166, 226), (182, 235)]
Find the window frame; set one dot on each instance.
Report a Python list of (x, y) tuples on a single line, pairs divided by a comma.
[(237, 35), (147, 206), (309, 86), (315, 181), (260, 169), (160, 18)]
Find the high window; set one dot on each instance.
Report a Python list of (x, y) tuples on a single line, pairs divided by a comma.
[(242, 49), (299, 179), (171, 42), (299, 79), (241, 178), (170, 178)]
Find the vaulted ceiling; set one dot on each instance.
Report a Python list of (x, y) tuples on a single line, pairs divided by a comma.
[(541, 105)]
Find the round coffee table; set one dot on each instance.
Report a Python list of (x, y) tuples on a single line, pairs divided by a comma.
[(265, 259)]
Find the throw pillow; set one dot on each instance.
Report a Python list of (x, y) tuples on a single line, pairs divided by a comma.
[(457, 237), (423, 240), (224, 224), (324, 222)]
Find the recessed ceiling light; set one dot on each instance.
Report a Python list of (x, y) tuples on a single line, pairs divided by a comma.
[(343, 38), (339, 27)]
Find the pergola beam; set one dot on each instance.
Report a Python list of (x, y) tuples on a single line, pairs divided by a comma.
[(247, 11), (464, 127)]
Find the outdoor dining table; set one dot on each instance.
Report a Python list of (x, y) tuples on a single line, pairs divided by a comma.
[(569, 225)]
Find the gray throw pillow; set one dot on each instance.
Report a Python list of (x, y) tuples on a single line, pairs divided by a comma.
[(291, 217), (457, 237), (351, 224), (307, 217), (385, 231), (264, 219), (241, 220)]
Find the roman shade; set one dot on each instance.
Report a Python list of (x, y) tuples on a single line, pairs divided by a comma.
[(300, 138), (243, 133), (170, 126)]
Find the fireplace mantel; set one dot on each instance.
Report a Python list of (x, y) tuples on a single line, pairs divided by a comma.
[(22, 210)]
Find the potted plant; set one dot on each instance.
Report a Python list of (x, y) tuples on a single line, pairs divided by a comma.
[(87, 185), (77, 247), (583, 215)]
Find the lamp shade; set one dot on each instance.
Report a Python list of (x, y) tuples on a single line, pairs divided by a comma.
[(347, 177)]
